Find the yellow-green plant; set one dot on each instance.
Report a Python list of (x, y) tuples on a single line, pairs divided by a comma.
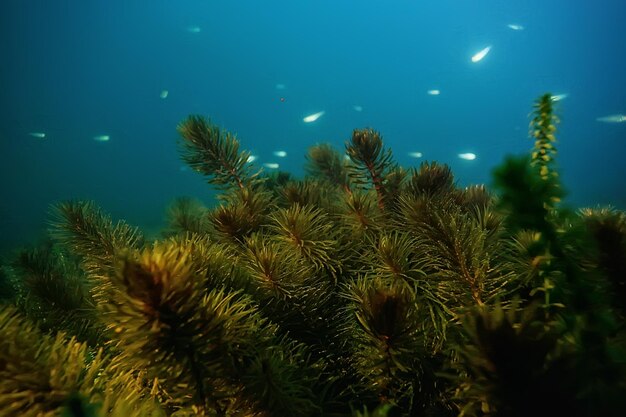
[(363, 286)]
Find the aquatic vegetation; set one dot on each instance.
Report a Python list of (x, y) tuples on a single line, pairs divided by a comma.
[(362, 289)]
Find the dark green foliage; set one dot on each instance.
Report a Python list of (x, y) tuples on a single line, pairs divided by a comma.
[(90, 234), (608, 229), (325, 162), (362, 286), (8, 291), (187, 215), (518, 364), (524, 194), (55, 293)]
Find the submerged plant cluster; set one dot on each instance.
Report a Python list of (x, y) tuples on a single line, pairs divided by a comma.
[(363, 289)]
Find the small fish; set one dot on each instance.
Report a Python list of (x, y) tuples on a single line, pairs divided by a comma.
[(164, 94), (280, 154), (280, 86), (102, 138), (481, 54), (433, 92), (467, 156), (357, 108), (313, 117), (271, 165), (194, 29), (38, 135), (415, 154), (558, 97), (252, 158), (513, 26), (612, 118)]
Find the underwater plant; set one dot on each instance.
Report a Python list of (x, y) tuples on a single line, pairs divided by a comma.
[(362, 289)]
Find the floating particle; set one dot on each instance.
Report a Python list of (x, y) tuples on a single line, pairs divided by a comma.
[(514, 26), (38, 135), (271, 165), (313, 117), (481, 54), (612, 118), (433, 92), (164, 94), (467, 156), (102, 138), (280, 154), (558, 97), (357, 108), (415, 154)]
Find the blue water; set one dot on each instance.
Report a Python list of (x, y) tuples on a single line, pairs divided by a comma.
[(77, 69)]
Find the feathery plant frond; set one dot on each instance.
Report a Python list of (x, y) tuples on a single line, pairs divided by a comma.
[(370, 162), (55, 293), (418, 213), (361, 214), (47, 276), (46, 375), (215, 153), (323, 161), (527, 256), (187, 215), (39, 374), (203, 343), (474, 196), (294, 294), (431, 179), (215, 264), (388, 345), (273, 270), (309, 233), (191, 340), (516, 363), (489, 219), (273, 181), (396, 257), (393, 258), (310, 192), (87, 232), (499, 363), (243, 212), (394, 185), (462, 260), (276, 378)]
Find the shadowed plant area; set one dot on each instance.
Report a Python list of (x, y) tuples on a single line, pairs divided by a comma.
[(362, 289)]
